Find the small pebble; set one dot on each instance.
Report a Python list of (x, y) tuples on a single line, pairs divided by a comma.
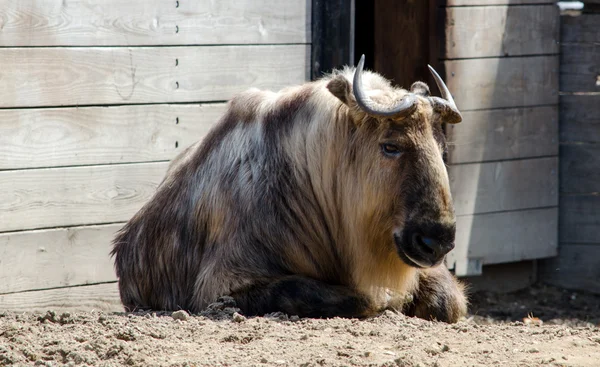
[(180, 315), (238, 318)]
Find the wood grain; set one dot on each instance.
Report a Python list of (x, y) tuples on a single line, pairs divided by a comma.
[(580, 118), (579, 219), (507, 236), (504, 186), (108, 75), (99, 297), (576, 267), (503, 134), (489, 31), (100, 135), (55, 258), (493, 2), (580, 67), (503, 82), (580, 168), (580, 29), (152, 22), (43, 198)]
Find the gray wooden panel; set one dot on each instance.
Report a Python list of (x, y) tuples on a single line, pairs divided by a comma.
[(493, 2), (504, 186), (93, 135), (580, 67), (43, 198), (503, 134), (580, 168), (99, 297), (55, 258), (580, 118), (580, 218), (506, 237), (108, 75), (503, 82), (487, 31), (153, 22), (576, 267), (580, 29)]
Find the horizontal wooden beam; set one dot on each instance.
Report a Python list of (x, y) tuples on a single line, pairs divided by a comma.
[(491, 2), (153, 22), (491, 135), (98, 297), (580, 168), (504, 185), (109, 75), (580, 68), (580, 118), (33, 260), (575, 267), (505, 237), (492, 31), (580, 218), (51, 137), (43, 198), (503, 82), (580, 29)]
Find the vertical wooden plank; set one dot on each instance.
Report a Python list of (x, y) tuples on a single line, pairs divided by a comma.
[(402, 34), (332, 39)]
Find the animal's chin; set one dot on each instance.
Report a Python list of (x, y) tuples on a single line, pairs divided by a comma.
[(412, 256)]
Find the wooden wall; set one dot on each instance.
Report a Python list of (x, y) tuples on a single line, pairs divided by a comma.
[(500, 60), (578, 263), (96, 97)]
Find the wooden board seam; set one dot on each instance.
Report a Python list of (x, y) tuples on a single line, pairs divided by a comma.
[(75, 226), (508, 211), (505, 160), (53, 288)]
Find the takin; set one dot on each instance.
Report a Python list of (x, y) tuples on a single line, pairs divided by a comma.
[(325, 199)]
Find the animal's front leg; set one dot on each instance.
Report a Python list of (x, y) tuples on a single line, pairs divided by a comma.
[(305, 297), (439, 296)]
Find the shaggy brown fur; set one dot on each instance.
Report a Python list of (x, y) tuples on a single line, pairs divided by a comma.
[(294, 203)]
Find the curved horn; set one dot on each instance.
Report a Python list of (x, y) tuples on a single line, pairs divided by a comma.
[(405, 107), (444, 105)]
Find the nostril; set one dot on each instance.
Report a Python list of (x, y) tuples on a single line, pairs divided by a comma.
[(426, 243)]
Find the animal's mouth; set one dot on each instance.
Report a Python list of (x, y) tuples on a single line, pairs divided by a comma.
[(414, 256)]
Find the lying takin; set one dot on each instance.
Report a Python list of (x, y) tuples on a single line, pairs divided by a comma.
[(325, 199)]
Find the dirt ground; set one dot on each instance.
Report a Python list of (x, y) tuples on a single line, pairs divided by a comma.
[(540, 326)]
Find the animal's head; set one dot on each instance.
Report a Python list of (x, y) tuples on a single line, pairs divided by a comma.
[(399, 183)]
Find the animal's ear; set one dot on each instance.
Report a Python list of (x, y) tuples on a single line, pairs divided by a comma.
[(420, 88), (340, 87)]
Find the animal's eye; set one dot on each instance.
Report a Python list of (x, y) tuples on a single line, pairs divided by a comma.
[(391, 150)]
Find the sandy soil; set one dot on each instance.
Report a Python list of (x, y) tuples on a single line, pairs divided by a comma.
[(565, 334)]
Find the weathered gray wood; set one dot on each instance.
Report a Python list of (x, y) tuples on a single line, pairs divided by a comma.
[(493, 2), (43, 198), (580, 118), (579, 218), (506, 237), (576, 267), (580, 67), (99, 297), (503, 82), (487, 31), (55, 258), (505, 185), (153, 22), (503, 134), (580, 29), (108, 75), (580, 169), (78, 136)]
